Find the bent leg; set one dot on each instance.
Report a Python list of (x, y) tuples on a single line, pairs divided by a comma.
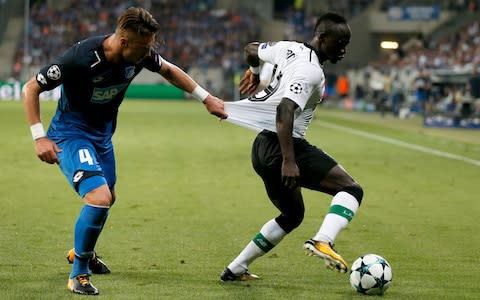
[(265, 160), (337, 180), (290, 204), (92, 175), (89, 226), (348, 195)]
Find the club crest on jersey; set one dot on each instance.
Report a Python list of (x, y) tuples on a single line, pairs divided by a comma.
[(296, 88), (129, 72), (54, 72)]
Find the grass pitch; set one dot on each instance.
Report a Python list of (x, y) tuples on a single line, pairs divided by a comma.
[(188, 201)]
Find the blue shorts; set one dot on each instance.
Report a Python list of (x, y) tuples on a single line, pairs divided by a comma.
[(87, 167)]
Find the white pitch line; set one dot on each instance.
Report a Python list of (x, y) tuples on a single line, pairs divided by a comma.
[(402, 144)]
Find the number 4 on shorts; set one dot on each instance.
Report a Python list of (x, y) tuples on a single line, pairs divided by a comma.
[(85, 156)]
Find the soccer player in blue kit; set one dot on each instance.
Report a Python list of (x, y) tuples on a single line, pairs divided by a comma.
[(94, 75)]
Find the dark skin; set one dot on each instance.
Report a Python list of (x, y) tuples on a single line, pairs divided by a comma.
[(331, 47)]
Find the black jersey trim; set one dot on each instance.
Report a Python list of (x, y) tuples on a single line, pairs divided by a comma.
[(313, 49), (81, 175)]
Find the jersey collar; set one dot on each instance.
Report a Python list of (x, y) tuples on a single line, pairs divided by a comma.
[(319, 56)]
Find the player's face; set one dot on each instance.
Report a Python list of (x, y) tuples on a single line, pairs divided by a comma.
[(335, 43), (135, 47)]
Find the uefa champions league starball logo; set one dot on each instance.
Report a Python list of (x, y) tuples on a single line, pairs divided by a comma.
[(54, 72), (296, 88)]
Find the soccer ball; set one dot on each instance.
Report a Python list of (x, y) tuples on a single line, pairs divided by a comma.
[(371, 274)]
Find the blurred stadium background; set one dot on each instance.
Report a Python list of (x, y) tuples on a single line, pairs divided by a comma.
[(189, 198), (406, 57)]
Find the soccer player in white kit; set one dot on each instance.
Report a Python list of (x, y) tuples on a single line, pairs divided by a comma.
[(281, 155)]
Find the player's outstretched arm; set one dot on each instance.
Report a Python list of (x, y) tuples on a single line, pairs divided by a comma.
[(180, 79), (45, 149), (215, 106)]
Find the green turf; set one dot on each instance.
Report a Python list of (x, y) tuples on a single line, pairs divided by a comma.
[(188, 201)]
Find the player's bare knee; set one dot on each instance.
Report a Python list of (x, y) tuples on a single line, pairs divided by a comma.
[(100, 196), (355, 190)]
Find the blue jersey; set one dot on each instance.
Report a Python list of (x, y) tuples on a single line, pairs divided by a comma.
[(92, 89)]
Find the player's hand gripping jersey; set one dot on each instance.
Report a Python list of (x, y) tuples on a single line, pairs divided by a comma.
[(297, 75), (92, 89)]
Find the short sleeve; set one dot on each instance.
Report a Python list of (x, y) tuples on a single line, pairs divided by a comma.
[(301, 85), (269, 51), (52, 75)]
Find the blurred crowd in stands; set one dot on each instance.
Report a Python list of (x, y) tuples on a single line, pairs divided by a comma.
[(427, 77), (456, 5), (407, 91), (195, 34), (412, 79), (424, 76), (192, 32), (300, 25)]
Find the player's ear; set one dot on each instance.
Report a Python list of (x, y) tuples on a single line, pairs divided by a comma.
[(123, 42)]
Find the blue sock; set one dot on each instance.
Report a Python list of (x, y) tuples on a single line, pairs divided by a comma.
[(87, 229)]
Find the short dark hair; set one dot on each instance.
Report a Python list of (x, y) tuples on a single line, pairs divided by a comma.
[(138, 20), (326, 21)]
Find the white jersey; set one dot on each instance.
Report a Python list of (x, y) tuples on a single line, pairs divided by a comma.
[(297, 75)]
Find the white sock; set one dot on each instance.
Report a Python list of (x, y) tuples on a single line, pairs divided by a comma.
[(342, 209), (269, 236)]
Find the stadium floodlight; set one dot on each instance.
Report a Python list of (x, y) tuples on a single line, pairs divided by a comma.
[(389, 45)]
